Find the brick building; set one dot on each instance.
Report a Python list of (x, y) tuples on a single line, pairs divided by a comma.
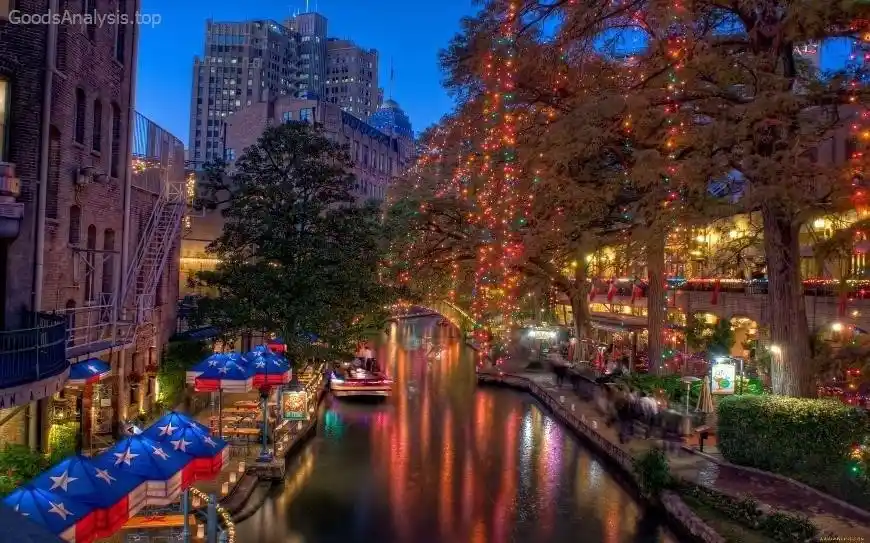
[(71, 208)]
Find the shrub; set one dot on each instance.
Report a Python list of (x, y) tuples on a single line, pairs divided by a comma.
[(778, 526), (806, 439), (653, 472)]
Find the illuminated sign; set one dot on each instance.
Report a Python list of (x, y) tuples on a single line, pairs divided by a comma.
[(723, 378), (295, 405)]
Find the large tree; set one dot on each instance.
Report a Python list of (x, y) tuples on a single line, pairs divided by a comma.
[(297, 256)]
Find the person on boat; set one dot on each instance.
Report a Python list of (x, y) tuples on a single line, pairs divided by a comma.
[(368, 358)]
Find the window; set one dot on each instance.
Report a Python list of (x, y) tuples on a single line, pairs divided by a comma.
[(91, 11), (306, 114), (115, 164), (4, 118), (108, 261), (70, 310), (81, 108), (287, 116), (75, 225), (231, 154), (91, 262), (120, 34), (97, 136), (53, 189), (365, 155)]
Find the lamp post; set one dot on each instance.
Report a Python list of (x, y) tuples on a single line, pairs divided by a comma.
[(265, 455)]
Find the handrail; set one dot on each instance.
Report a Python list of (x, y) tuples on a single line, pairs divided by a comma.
[(32, 354)]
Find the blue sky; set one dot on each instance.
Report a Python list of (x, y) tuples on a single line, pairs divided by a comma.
[(411, 33)]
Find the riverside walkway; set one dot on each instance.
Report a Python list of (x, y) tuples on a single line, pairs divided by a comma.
[(829, 514)]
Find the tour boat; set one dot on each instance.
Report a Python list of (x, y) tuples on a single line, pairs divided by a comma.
[(358, 382)]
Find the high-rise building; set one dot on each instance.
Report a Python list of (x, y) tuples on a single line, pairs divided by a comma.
[(242, 63), (311, 29), (352, 78), (394, 122)]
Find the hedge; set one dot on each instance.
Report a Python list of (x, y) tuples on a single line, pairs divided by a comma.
[(806, 439)]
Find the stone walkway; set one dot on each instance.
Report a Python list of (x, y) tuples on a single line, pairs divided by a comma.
[(829, 516)]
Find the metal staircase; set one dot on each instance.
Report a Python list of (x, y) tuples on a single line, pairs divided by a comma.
[(153, 251)]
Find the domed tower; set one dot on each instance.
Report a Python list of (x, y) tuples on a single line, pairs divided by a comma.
[(393, 121)]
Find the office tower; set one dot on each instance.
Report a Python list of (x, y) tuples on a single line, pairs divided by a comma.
[(392, 120), (352, 78), (243, 63), (311, 29)]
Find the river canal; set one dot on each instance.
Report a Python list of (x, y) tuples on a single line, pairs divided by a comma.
[(442, 461)]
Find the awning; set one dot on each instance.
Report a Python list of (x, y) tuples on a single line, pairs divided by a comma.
[(90, 371)]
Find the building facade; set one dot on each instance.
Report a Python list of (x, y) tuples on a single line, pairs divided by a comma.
[(352, 78), (243, 63), (76, 286), (392, 120), (312, 53)]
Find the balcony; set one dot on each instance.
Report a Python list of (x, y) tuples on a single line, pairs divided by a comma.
[(33, 363), (826, 301)]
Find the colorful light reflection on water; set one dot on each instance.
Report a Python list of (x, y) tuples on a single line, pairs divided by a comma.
[(442, 461)]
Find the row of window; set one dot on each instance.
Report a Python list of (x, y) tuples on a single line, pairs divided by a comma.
[(82, 121)]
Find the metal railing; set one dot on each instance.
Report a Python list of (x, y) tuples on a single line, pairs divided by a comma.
[(33, 354)]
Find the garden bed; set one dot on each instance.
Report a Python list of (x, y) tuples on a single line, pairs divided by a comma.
[(731, 531)]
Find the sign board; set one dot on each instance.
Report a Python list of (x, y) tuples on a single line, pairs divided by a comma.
[(723, 377), (294, 404)]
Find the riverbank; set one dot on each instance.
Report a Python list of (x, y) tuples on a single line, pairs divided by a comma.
[(829, 515), (252, 489), (681, 519)]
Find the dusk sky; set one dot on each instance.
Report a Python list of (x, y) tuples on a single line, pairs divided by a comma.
[(409, 33)]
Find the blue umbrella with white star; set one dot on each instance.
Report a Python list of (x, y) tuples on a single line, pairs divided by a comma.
[(116, 497), (62, 516), (175, 430), (166, 471), (269, 369), (210, 362), (90, 371), (226, 376)]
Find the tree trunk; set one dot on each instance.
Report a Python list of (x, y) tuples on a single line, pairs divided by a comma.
[(657, 300), (791, 369), (580, 310)]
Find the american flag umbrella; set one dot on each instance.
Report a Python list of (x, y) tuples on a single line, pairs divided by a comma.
[(69, 519), (227, 376), (166, 425), (269, 369), (89, 371), (210, 362), (210, 453), (165, 471), (114, 496), (214, 361)]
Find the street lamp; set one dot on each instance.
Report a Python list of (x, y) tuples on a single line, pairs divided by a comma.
[(265, 455)]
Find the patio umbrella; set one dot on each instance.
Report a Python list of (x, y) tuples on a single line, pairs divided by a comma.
[(66, 518), (269, 370), (209, 362), (181, 433), (18, 528), (165, 471), (226, 376), (90, 371), (114, 496), (705, 399)]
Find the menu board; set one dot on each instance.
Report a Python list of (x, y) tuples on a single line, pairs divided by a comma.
[(723, 378)]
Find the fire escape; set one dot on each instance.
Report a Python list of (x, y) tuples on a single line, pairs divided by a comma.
[(112, 320)]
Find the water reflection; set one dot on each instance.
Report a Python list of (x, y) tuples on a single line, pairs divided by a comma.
[(444, 462)]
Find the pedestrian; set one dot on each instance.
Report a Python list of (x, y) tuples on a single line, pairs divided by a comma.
[(650, 409), (624, 419)]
